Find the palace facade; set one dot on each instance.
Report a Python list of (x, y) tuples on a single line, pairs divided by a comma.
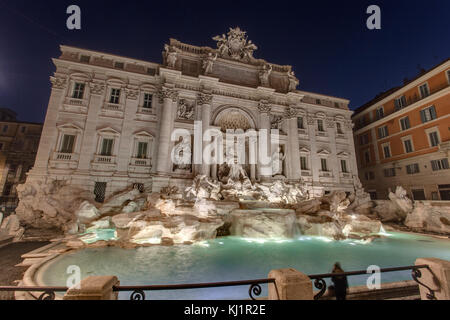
[(403, 138), (110, 119)]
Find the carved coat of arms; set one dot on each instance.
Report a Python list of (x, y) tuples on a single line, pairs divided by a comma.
[(235, 45)]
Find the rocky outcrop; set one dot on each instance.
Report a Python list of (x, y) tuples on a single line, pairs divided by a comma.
[(264, 223), (47, 206), (116, 203), (428, 217), (10, 226), (400, 199)]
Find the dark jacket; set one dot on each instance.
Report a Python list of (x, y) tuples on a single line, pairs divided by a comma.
[(340, 286)]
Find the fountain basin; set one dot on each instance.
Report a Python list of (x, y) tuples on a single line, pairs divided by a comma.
[(236, 258)]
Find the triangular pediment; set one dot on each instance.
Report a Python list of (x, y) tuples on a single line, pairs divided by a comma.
[(304, 150), (108, 130), (143, 133), (343, 154), (69, 126), (324, 152)]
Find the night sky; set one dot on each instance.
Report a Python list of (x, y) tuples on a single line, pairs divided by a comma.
[(327, 42)]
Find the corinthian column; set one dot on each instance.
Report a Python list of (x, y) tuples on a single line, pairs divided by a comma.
[(265, 169), (50, 131), (294, 149), (205, 101), (169, 98)]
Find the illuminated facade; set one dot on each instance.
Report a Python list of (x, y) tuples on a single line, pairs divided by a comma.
[(403, 138), (110, 118)]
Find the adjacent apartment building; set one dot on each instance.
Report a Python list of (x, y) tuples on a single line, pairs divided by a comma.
[(19, 142), (402, 138)]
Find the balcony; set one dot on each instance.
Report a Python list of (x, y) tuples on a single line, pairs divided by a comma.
[(61, 160), (103, 163), (75, 105), (112, 110), (140, 166), (345, 175)]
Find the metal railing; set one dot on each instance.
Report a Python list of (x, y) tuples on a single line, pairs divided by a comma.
[(255, 290), (321, 285), (138, 292)]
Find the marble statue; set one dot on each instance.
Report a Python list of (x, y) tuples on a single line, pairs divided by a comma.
[(208, 63), (185, 110), (264, 75), (278, 159), (171, 56), (293, 81), (235, 45), (237, 172), (183, 155)]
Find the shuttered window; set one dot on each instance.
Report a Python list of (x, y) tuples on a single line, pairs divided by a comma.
[(428, 114)]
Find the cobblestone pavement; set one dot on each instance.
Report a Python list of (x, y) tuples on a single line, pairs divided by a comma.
[(10, 255)]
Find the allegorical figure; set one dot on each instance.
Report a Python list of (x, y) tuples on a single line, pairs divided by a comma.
[(170, 56), (265, 74), (293, 81), (277, 162), (182, 155), (208, 63)]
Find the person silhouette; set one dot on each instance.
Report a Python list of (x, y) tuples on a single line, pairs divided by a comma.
[(340, 283)]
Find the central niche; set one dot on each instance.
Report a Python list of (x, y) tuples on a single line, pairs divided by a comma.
[(233, 119)]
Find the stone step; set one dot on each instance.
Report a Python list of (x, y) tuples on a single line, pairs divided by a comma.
[(5, 239)]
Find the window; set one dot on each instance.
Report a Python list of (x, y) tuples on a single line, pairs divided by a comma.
[(400, 103), (380, 113), (418, 194), (428, 114), (85, 59), (339, 128), (367, 156), (100, 191), (1, 146), (390, 172), (5, 128), (107, 145), (434, 138), (151, 71), (68, 143), (324, 165), (304, 163), (364, 139), (78, 91), (373, 195), (344, 166), (408, 145), (387, 151), (383, 132), (404, 123), (23, 129), (118, 65), (320, 125), (115, 96), (142, 150), (148, 100), (300, 123), (336, 105), (441, 164), (318, 101), (448, 75), (370, 175), (424, 90), (412, 168)]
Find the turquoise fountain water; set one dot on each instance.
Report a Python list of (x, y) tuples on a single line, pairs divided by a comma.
[(232, 258)]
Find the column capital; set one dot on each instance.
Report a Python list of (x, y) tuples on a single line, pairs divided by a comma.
[(97, 87), (290, 113), (330, 122), (204, 98), (132, 93), (58, 82), (168, 93), (264, 106), (311, 119)]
